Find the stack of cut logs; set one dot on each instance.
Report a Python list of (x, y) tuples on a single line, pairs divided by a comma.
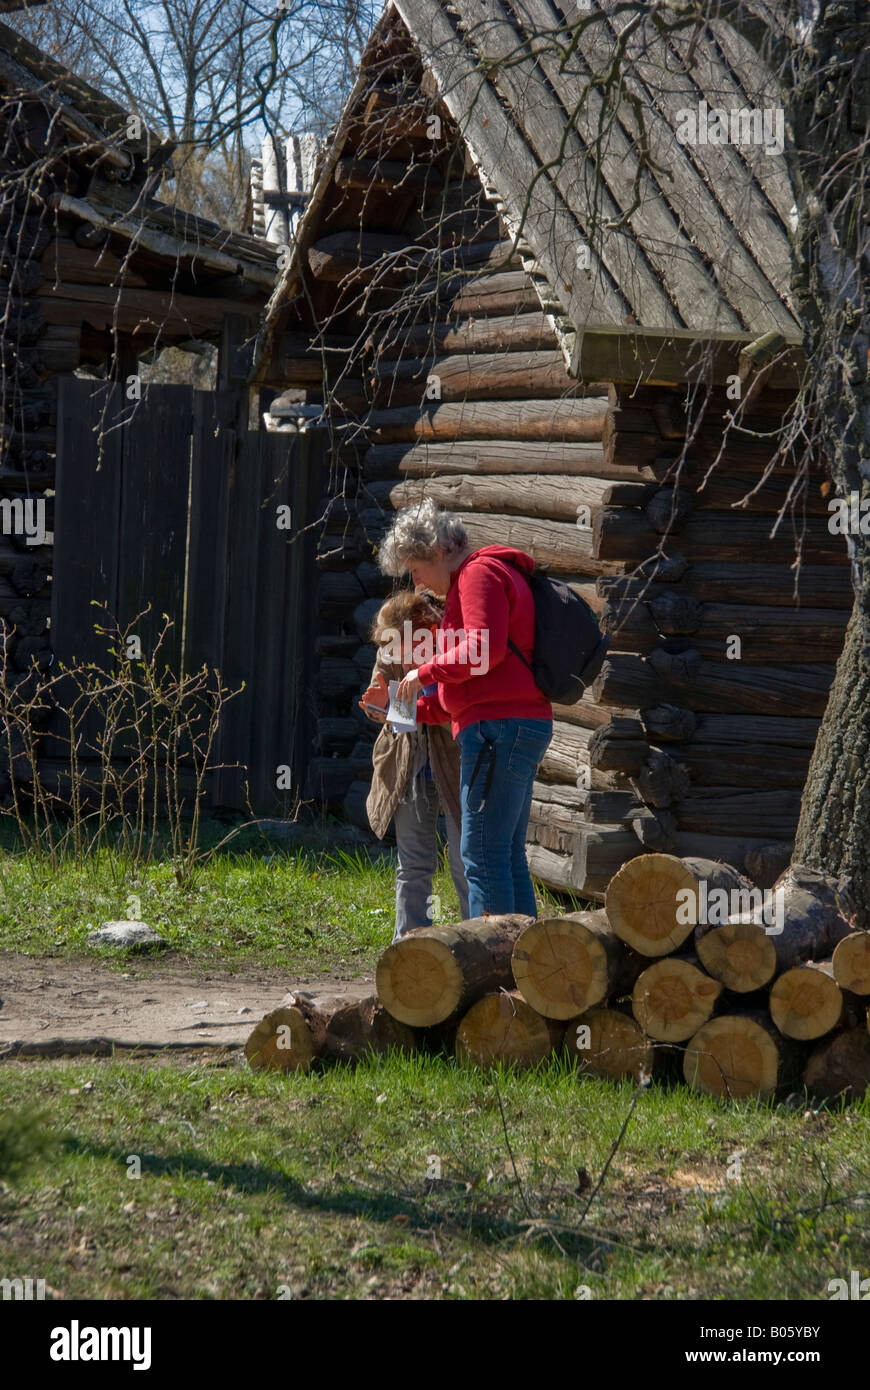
[(686, 968)]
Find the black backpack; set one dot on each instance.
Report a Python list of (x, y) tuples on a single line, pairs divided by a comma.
[(569, 645)]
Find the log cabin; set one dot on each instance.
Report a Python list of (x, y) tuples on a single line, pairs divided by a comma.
[(97, 273), (507, 295)]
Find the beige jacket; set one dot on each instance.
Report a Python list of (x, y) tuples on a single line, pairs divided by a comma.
[(395, 755)]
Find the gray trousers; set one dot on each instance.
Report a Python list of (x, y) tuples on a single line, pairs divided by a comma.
[(417, 845)]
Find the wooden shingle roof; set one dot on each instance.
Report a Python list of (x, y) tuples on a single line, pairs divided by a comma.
[(685, 241), (696, 240)]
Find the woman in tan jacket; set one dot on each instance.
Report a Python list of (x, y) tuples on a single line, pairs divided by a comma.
[(415, 774)]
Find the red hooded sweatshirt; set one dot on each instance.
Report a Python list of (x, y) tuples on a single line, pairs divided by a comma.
[(478, 675)]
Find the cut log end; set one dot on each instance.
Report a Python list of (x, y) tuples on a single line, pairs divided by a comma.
[(852, 962), (560, 967), (334, 1026), (502, 1027), (282, 1041), (736, 1055), (673, 998), (647, 906), (740, 954), (806, 1002), (607, 1042), (419, 981)]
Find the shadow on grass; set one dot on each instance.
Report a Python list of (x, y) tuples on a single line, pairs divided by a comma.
[(441, 1212)]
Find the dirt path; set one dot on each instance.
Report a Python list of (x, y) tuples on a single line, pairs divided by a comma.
[(67, 1007)]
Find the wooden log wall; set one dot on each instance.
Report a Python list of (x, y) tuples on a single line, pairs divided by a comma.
[(696, 736)]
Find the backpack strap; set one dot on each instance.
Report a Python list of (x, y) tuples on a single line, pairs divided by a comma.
[(516, 651), (513, 646)]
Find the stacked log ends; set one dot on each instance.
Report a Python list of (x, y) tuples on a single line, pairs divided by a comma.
[(502, 1027), (564, 965), (324, 1025), (509, 989), (739, 953), (851, 962), (434, 973), (673, 998), (649, 903), (806, 1002), (609, 1043), (740, 1054)]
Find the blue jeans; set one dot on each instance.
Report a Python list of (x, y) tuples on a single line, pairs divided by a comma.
[(498, 762)]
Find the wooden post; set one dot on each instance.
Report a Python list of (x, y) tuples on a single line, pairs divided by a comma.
[(306, 457), (234, 353), (275, 213)]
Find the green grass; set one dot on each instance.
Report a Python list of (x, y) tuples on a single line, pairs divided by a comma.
[(257, 1185), (255, 902), (260, 1186)]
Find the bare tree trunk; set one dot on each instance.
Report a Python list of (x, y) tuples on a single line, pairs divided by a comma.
[(830, 170), (834, 829)]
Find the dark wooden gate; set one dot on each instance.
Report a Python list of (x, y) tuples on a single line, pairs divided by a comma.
[(172, 501)]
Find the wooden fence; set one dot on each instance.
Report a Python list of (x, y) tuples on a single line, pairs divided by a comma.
[(172, 501)]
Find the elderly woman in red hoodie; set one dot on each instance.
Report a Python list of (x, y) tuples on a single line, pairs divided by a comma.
[(499, 717)]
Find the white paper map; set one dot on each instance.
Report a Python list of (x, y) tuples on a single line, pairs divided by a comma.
[(402, 715)]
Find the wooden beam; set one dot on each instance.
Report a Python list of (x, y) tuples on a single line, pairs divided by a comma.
[(551, 498), (149, 313), (799, 689), (767, 634), (483, 457), (818, 586), (732, 536), (388, 175), (566, 549), (634, 354), (476, 376), (573, 420), (355, 253), (508, 333), (163, 244)]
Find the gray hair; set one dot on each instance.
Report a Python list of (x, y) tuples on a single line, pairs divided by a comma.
[(416, 534)]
